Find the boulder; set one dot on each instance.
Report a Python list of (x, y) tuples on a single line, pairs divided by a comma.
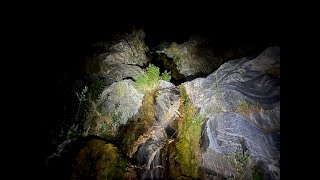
[(241, 104), (121, 98), (192, 57)]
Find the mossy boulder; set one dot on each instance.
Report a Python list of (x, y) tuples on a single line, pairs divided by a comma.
[(99, 160)]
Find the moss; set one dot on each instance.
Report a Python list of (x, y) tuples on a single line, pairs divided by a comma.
[(187, 152), (131, 132), (245, 108), (129, 138), (99, 160), (174, 166)]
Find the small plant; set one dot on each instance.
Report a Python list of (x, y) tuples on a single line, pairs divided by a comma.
[(166, 76), (150, 79), (241, 158), (73, 132), (257, 175), (82, 95), (245, 109)]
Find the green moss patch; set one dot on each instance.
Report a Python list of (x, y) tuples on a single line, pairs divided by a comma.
[(98, 160)]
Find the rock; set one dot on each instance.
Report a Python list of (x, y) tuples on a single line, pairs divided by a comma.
[(165, 84), (129, 50), (167, 105), (148, 153), (117, 72), (241, 104), (190, 58), (123, 59), (149, 160), (124, 95)]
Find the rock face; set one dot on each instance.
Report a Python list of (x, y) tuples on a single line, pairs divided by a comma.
[(165, 84), (130, 50), (121, 97), (148, 154), (236, 109), (241, 104), (190, 58), (116, 72), (124, 58)]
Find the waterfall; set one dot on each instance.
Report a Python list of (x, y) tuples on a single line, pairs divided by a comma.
[(148, 158)]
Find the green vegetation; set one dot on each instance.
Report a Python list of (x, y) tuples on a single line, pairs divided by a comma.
[(256, 174), (102, 124), (170, 65), (166, 76), (96, 89), (100, 160), (77, 110), (81, 114), (73, 131), (150, 79), (240, 159), (245, 109), (96, 123), (188, 152), (133, 130)]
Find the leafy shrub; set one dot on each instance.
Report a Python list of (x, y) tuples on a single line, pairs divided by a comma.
[(166, 76), (150, 79)]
